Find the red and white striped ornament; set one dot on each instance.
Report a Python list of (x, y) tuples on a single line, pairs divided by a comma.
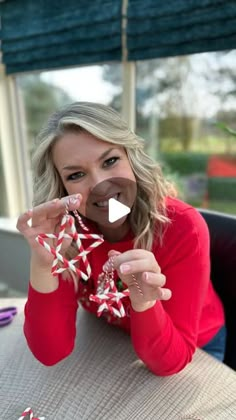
[(73, 234), (108, 297), (28, 412)]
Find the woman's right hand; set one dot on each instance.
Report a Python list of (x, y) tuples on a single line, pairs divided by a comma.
[(46, 218)]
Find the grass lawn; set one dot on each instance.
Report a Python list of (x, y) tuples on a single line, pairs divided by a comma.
[(221, 206)]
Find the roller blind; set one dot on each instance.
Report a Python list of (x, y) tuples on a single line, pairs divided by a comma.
[(159, 28), (42, 34)]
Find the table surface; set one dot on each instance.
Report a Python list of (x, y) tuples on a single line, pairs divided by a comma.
[(103, 379)]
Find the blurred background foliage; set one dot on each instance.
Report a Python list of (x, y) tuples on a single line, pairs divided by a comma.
[(40, 99), (185, 110)]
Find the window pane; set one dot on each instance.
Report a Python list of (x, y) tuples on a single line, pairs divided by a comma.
[(45, 92), (186, 110)]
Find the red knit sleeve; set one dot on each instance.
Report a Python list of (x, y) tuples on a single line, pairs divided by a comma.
[(165, 336), (50, 322)]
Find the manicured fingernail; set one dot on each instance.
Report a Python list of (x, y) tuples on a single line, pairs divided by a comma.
[(55, 200), (124, 268), (113, 253), (161, 294), (105, 267), (75, 199), (145, 276)]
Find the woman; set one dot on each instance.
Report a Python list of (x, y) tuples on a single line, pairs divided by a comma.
[(85, 156)]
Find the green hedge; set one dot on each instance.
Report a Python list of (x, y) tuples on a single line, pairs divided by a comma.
[(222, 189), (219, 188), (185, 163)]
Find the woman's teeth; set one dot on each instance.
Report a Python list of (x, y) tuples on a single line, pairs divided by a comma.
[(105, 203)]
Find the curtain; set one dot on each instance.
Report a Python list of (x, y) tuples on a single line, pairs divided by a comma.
[(42, 34), (158, 28)]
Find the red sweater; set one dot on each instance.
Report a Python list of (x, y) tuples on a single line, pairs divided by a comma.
[(165, 336)]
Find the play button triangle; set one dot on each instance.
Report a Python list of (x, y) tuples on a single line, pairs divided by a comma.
[(116, 210)]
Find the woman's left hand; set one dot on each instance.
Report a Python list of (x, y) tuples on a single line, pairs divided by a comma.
[(139, 270)]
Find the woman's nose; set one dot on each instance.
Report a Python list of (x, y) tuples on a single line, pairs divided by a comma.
[(99, 182), (101, 187)]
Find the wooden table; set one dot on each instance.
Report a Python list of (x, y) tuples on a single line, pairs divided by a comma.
[(103, 379)]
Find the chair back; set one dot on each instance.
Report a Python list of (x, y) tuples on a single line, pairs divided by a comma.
[(222, 228)]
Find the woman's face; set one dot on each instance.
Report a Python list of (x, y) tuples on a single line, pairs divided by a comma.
[(99, 171)]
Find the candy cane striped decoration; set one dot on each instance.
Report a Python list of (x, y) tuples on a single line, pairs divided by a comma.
[(79, 245), (108, 296), (59, 243), (81, 223), (107, 300), (28, 412), (58, 258)]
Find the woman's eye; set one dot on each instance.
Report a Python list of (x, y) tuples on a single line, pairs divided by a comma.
[(111, 161), (76, 175)]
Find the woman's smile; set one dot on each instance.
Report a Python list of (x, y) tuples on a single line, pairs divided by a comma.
[(105, 204), (99, 171)]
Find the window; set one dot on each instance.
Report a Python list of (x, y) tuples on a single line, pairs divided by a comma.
[(186, 109), (45, 92)]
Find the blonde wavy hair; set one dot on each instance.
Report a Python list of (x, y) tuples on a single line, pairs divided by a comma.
[(148, 216)]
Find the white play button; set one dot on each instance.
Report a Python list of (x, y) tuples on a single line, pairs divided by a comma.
[(116, 210), (110, 210)]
